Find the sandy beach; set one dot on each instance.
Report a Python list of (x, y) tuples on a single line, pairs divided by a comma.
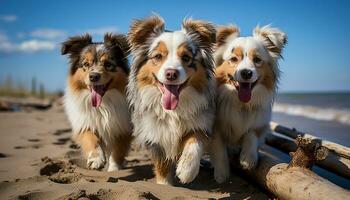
[(38, 160)]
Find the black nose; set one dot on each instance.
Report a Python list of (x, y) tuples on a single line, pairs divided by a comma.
[(94, 77), (171, 74), (246, 74)]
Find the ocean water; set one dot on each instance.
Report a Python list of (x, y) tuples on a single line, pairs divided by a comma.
[(326, 115)]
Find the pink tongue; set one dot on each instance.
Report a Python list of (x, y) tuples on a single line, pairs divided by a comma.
[(97, 93), (244, 92), (170, 97)]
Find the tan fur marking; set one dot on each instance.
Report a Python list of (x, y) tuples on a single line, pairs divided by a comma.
[(194, 137), (184, 49), (145, 75), (265, 72), (238, 52), (205, 30), (77, 80), (88, 142), (223, 33), (228, 68), (267, 76), (89, 57), (162, 168), (141, 30), (120, 80), (198, 78)]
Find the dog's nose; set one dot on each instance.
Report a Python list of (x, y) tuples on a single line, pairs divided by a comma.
[(171, 74), (94, 77), (246, 74)]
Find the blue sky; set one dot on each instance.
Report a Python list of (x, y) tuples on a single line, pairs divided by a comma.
[(315, 58)]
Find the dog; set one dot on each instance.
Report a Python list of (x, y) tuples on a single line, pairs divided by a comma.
[(171, 92), (247, 77), (95, 98)]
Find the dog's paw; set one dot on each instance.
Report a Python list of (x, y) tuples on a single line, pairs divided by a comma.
[(187, 170), (168, 180), (96, 160), (113, 166), (221, 174), (248, 160), (189, 163)]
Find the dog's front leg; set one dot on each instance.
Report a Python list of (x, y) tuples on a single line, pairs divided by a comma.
[(189, 161), (249, 154), (219, 159), (163, 170), (92, 149), (120, 149)]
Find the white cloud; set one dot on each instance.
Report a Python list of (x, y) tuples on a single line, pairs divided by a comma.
[(8, 18), (27, 46), (101, 30), (35, 45), (48, 33), (44, 39)]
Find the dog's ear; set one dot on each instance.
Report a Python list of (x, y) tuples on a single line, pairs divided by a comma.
[(143, 29), (117, 40), (75, 44), (203, 33), (273, 39), (223, 32)]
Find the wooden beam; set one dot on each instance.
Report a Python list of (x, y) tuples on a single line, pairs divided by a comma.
[(338, 149), (291, 182), (333, 162)]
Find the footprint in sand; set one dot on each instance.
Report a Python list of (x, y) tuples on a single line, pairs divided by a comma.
[(30, 195), (129, 193), (33, 140), (62, 131), (2, 155), (35, 146), (62, 141), (59, 171)]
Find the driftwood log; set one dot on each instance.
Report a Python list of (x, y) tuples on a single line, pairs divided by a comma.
[(341, 150), (289, 182), (333, 162)]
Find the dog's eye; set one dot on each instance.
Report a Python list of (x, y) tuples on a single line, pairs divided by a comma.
[(186, 58), (86, 64), (158, 57), (234, 59), (257, 60), (109, 66)]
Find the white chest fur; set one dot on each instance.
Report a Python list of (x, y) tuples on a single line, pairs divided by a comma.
[(154, 125), (233, 121), (108, 120)]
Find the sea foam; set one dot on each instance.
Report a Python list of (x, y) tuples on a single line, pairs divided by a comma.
[(325, 114)]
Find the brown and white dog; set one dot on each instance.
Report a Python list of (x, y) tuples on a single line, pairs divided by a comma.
[(171, 91), (95, 99), (247, 75)]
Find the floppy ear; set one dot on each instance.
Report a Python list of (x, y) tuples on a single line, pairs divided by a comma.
[(75, 44), (202, 33), (273, 39), (224, 32), (117, 40), (143, 29)]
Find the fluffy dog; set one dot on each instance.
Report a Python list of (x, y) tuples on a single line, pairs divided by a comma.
[(247, 75), (171, 91), (95, 99)]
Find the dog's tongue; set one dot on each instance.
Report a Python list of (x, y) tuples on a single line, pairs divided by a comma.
[(170, 97), (244, 92), (97, 93)]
